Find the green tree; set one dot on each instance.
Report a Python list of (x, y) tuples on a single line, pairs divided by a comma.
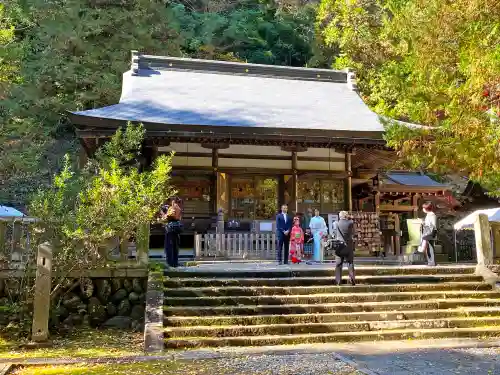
[(109, 198), (69, 55), (432, 62)]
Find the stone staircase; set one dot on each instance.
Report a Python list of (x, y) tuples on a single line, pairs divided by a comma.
[(291, 306)]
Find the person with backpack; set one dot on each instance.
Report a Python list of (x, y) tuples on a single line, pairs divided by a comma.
[(344, 247)]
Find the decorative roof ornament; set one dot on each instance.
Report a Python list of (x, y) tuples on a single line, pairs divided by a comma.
[(351, 81), (135, 63)]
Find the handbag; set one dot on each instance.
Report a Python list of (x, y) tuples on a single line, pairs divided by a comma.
[(340, 247)]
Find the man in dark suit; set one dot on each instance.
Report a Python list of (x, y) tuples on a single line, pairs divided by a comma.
[(345, 232), (283, 227)]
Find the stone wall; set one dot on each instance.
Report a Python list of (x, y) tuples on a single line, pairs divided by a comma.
[(104, 302)]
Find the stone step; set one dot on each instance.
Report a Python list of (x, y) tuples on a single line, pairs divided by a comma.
[(403, 334), (327, 298), (187, 321), (297, 290), (430, 304), (314, 328), (290, 271), (195, 282)]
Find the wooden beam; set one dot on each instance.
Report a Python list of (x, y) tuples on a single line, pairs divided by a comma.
[(409, 189), (390, 207)]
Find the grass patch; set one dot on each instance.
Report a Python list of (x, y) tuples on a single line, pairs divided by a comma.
[(81, 344), (141, 368)]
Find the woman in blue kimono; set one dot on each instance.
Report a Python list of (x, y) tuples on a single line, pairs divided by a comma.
[(318, 230)]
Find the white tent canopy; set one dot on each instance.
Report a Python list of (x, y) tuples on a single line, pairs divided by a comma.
[(468, 221)]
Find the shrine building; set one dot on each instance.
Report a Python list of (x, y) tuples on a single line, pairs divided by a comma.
[(247, 138)]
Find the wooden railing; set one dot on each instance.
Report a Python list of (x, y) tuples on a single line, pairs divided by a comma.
[(234, 246), (18, 251)]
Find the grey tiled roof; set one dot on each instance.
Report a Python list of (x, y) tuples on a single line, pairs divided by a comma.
[(413, 178), (225, 94)]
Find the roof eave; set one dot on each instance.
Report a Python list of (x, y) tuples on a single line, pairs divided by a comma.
[(106, 127)]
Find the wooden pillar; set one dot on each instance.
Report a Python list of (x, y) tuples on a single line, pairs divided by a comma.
[(397, 238), (482, 233), (414, 203), (295, 180), (223, 192), (41, 301), (3, 235), (213, 181), (82, 157), (348, 182), (377, 202), (495, 234)]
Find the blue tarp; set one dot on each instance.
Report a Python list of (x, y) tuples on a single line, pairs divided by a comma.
[(6, 211)]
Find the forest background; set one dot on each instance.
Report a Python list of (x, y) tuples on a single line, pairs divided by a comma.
[(432, 62)]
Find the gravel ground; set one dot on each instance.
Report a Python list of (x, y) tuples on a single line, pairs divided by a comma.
[(481, 361), (290, 364)]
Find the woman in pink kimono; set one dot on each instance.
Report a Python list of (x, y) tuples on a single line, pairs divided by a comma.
[(296, 241)]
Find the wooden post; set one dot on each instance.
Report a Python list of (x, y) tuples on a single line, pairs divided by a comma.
[(222, 192), (41, 301), (397, 238), (295, 179), (348, 182), (142, 243), (197, 245), (123, 246), (3, 236), (482, 233), (377, 202), (495, 231), (414, 203)]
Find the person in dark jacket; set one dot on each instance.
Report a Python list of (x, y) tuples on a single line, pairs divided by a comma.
[(173, 228), (345, 232), (283, 227)]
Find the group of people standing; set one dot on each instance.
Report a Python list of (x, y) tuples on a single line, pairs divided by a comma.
[(293, 235)]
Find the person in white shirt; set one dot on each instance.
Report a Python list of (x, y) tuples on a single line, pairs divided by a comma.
[(428, 233)]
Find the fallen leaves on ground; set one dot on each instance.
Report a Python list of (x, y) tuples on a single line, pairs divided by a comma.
[(84, 344)]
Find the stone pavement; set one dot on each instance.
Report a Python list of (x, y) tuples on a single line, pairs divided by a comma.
[(424, 358), (411, 357)]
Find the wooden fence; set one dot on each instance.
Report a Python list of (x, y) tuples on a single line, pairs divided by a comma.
[(18, 249), (233, 246)]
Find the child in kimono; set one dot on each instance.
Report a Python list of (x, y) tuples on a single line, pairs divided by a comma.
[(296, 241)]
